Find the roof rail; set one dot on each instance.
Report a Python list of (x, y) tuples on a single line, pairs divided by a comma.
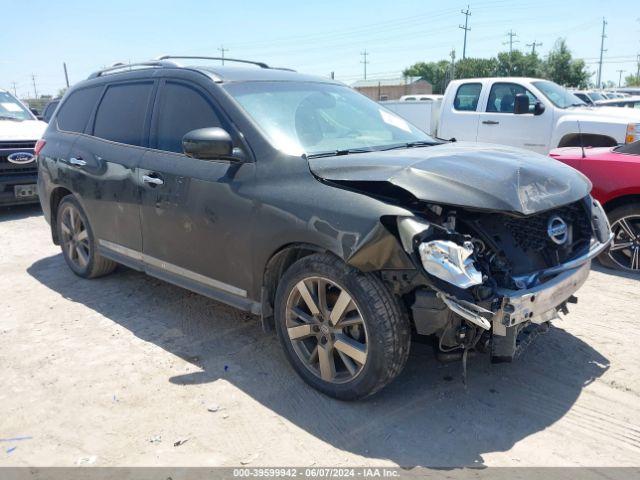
[(131, 66), (225, 59)]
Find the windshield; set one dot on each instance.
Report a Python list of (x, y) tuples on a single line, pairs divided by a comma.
[(595, 96), (559, 96), (320, 118), (12, 109)]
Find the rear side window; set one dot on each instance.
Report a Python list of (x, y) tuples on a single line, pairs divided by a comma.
[(122, 112), (467, 97), (76, 110), (181, 109)]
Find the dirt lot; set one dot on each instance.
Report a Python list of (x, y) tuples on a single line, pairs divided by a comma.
[(116, 371)]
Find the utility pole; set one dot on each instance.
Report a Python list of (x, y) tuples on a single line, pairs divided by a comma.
[(35, 90), (453, 64), (533, 46), (66, 75), (602, 50), (638, 72), (365, 62), (466, 28), (222, 50), (15, 93), (620, 77), (511, 41)]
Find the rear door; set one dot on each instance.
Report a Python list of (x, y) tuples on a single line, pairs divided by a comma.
[(108, 159), (498, 123), (196, 221), (461, 119)]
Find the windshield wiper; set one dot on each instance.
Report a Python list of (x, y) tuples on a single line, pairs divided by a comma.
[(336, 153), (418, 143), (7, 117)]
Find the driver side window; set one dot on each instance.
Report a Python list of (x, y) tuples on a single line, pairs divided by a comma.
[(503, 95)]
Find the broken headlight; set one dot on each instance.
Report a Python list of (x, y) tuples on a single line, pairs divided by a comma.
[(450, 262), (444, 259)]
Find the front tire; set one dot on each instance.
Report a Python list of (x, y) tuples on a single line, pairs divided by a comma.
[(624, 253), (342, 330), (78, 243)]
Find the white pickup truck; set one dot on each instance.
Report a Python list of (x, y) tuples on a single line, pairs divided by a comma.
[(530, 113)]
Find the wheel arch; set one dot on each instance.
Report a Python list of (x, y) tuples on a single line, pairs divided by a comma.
[(275, 267), (57, 194), (576, 139), (620, 201)]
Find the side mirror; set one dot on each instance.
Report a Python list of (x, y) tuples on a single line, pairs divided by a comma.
[(521, 104), (538, 108), (208, 143)]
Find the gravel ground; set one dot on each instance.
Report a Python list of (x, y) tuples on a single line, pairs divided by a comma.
[(129, 370)]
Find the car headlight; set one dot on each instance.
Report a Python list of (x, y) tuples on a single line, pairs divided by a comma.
[(633, 133), (450, 262)]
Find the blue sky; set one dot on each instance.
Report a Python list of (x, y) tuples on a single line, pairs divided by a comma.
[(311, 36)]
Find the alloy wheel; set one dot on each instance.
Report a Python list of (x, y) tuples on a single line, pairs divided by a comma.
[(75, 237), (326, 329), (625, 248)]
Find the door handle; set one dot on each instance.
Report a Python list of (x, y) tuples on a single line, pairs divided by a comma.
[(78, 162), (152, 180), (490, 122)]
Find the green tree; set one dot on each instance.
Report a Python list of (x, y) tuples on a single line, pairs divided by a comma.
[(632, 80), (562, 68), (433, 72), (476, 67), (518, 64)]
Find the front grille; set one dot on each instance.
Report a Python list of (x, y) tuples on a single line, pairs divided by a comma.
[(8, 168), (520, 245), (27, 144), (530, 233)]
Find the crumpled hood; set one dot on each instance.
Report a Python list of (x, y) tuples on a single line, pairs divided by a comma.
[(18, 131), (473, 175)]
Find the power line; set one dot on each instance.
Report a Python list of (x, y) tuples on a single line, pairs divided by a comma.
[(365, 62), (533, 46), (222, 50), (602, 50), (466, 28)]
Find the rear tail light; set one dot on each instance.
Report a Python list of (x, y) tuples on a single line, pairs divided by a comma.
[(633, 133), (39, 145)]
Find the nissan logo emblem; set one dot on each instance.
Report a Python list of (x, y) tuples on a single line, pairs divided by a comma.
[(21, 158), (557, 230)]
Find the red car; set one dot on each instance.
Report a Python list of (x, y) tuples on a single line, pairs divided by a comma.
[(615, 174)]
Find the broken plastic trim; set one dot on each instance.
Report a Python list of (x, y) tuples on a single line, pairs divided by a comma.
[(467, 310)]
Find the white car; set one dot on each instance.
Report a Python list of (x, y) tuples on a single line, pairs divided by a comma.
[(19, 131), (530, 113), (421, 98)]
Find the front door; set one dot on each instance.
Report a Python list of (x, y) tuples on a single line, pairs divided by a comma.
[(196, 218), (498, 124)]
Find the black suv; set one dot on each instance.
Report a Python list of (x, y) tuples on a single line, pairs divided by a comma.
[(304, 202)]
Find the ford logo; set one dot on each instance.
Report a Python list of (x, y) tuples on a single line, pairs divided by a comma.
[(21, 158), (557, 230)]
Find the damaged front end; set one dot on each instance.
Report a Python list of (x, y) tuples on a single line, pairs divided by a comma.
[(490, 279)]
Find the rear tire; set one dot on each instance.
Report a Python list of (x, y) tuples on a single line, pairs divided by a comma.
[(353, 339), (624, 253), (78, 243)]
